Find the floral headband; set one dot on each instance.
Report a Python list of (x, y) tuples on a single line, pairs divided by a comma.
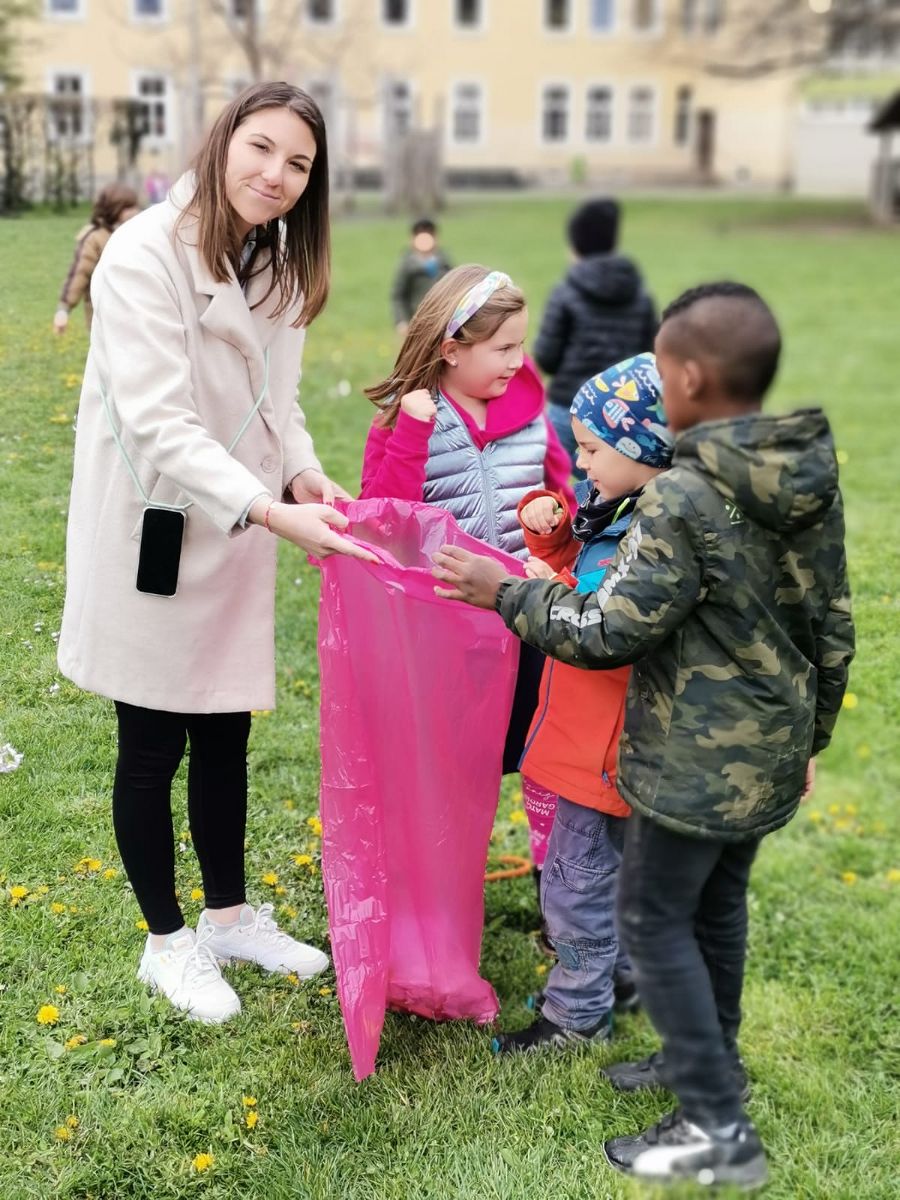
[(477, 295)]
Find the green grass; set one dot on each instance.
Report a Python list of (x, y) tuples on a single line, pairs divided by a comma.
[(440, 1118)]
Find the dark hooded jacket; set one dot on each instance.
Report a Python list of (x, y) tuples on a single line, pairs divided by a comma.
[(729, 595), (599, 315)]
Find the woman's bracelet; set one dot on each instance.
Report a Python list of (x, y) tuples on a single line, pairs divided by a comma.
[(266, 517)]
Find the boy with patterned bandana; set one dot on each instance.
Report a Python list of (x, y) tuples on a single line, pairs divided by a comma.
[(729, 596)]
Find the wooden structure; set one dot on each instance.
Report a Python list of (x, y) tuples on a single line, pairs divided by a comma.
[(885, 195)]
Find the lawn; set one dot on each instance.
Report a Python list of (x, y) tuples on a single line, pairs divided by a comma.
[(118, 1096)]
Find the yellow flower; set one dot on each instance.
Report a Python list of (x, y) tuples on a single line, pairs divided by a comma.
[(42, 890), (60, 989), (313, 869), (202, 1162), (315, 825), (85, 865), (834, 809), (251, 1119), (280, 891), (18, 892), (110, 873), (851, 810), (289, 911), (60, 419), (843, 825), (196, 893), (290, 805), (77, 1039), (517, 797), (63, 1133), (893, 875), (72, 1122), (851, 700), (517, 816), (142, 925), (48, 1014), (269, 878), (57, 908), (540, 969), (302, 860), (248, 1101), (864, 751), (107, 1042), (292, 978), (849, 877), (324, 991), (815, 815)]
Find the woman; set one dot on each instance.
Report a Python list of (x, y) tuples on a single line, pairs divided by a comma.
[(190, 454), (115, 205)]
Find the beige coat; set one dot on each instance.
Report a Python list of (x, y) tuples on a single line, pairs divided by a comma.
[(90, 242), (181, 358)]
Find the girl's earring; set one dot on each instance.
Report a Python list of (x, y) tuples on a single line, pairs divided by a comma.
[(453, 362)]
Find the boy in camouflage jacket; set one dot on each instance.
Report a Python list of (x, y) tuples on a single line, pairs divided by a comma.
[(729, 596)]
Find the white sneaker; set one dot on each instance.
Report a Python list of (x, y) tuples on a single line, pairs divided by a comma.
[(188, 974), (256, 938)]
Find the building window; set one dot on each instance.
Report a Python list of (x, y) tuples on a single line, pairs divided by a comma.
[(555, 114), (398, 108), (641, 114), (243, 10), (322, 91), (557, 14), (67, 114), (152, 93), (602, 15), (148, 10), (468, 13), (701, 16), (318, 12), (683, 116), (645, 15), (65, 8), (468, 105), (396, 12), (598, 114)]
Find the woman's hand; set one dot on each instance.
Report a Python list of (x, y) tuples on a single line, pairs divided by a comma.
[(419, 404), (474, 578), (60, 321), (541, 515), (315, 528), (312, 487), (536, 568)]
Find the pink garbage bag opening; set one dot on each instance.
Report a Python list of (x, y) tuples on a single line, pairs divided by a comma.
[(416, 696)]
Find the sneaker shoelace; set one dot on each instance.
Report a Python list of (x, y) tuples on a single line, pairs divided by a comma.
[(200, 965), (264, 926)]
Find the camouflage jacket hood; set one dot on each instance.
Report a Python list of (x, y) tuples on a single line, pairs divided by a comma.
[(729, 596)]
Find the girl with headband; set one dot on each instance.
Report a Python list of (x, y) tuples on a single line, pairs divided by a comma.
[(461, 424)]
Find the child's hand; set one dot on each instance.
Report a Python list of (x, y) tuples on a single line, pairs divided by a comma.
[(810, 782), (474, 578), (536, 568), (541, 515), (419, 404)]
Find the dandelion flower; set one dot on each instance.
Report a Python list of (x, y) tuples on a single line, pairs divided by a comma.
[(849, 877), (280, 891), (289, 911), (60, 989), (251, 1118), (57, 908), (110, 873), (815, 816), (48, 1014), (315, 825), (248, 1101), (72, 1122), (302, 860), (63, 1133), (324, 991), (18, 892), (833, 810), (77, 1039), (851, 700), (851, 810), (202, 1162), (293, 979), (87, 865), (107, 1042), (540, 969), (196, 893), (517, 816), (269, 878), (893, 875), (42, 890), (142, 925)]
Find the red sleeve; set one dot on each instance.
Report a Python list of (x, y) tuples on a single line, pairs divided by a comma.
[(558, 549), (558, 469), (394, 459)]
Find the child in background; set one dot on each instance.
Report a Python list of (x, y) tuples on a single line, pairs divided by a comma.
[(619, 428), (422, 265), (112, 208), (729, 595), (462, 425), (599, 315)]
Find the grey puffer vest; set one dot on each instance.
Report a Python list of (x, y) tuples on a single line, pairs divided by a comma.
[(482, 488)]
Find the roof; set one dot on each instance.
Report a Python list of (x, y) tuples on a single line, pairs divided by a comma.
[(888, 116)]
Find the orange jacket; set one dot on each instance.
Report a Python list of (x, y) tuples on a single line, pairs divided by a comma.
[(573, 742)]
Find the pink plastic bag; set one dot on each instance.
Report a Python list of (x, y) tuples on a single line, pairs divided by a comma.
[(416, 696)]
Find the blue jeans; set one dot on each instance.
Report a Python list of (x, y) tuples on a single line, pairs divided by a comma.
[(561, 419), (578, 900)]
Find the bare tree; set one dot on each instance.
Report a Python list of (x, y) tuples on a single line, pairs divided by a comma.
[(13, 13)]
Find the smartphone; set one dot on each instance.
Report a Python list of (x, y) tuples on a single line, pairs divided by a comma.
[(162, 531)]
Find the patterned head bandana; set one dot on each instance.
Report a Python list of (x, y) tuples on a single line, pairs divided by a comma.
[(623, 407), (477, 295)]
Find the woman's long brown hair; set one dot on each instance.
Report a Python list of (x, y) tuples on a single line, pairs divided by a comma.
[(420, 363), (301, 254), (111, 202)]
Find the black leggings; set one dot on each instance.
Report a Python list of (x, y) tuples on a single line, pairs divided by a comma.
[(151, 747)]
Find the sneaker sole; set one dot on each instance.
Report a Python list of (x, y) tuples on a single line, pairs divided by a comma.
[(746, 1178), (302, 975), (190, 1013)]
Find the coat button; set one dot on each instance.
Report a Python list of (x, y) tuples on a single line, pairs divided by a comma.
[(269, 464)]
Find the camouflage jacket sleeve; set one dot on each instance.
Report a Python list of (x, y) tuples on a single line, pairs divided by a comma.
[(653, 583), (835, 645)]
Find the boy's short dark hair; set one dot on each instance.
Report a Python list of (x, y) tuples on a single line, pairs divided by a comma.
[(594, 227), (731, 323), (424, 225)]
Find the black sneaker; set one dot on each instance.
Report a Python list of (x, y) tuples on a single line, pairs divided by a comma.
[(676, 1150), (626, 995), (645, 1075), (545, 1033)]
